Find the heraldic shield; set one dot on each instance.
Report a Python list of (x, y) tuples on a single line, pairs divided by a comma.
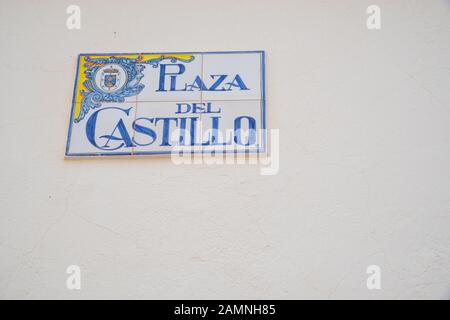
[(110, 79)]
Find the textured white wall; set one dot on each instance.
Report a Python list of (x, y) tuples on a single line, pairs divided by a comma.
[(365, 157)]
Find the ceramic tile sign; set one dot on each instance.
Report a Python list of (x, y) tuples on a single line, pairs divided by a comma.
[(154, 103)]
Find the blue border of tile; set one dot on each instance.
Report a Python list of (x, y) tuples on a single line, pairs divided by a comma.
[(261, 148), (75, 88)]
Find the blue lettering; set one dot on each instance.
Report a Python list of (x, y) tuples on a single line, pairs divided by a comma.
[(173, 76), (120, 126), (237, 82), (144, 130), (251, 129)]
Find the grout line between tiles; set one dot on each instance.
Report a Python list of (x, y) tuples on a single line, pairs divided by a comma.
[(175, 101), (134, 131), (191, 100), (201, 101)]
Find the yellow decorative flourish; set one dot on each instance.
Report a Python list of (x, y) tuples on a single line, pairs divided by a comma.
[(84, 65)]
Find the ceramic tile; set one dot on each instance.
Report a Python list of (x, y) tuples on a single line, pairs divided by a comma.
[(104, 131), (232, 76), (233, 125), (171, 77), (105, 78), (161, 126)]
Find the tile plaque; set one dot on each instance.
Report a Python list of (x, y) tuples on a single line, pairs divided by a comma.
[(158, 103)]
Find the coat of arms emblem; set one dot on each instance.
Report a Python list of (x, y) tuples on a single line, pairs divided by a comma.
[(110, 79)]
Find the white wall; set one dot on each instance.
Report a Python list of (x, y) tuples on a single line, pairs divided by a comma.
[(365, 161)]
